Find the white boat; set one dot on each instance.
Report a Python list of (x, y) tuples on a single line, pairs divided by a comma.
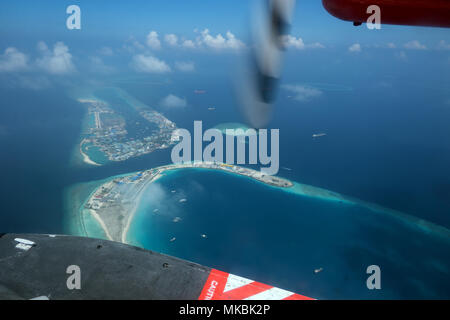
[(317, 135)]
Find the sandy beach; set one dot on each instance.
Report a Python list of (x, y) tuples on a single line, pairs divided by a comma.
[(86, 158), (101, 222), (133, 211)]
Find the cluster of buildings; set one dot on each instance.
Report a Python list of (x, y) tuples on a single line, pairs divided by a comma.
[(119, 191), (257, 175), (108, 132)]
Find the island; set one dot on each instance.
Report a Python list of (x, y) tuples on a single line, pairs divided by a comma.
[(121, 128), (106, 208), (114, 203)]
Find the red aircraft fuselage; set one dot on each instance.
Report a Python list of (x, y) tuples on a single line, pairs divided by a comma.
[(432, 13)]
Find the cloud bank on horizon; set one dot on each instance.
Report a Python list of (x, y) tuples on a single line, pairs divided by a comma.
[(56, 61), (203, 40), (149, 64), (13, 60), (59, 59), (297, 43), (356, 47), (159, 53)]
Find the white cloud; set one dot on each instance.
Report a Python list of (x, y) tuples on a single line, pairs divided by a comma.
[(106, 51), (185, 66), (219, 42), (42, 46), (171, 39), (172, 101), (131, 45), (203, 39), (150, 64), (315, 45), (297, 43), (58, 61), (415, 45), (97, 65), (355, 48), (391, 45), (188, 44), (303, 93), (290, 41), (153, 40), (444, 45), (13, 60)]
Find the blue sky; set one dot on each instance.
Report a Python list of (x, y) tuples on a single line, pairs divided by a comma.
[(135, 36), (115, 19)]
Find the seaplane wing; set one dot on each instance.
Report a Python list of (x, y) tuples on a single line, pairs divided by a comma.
[(41, 267)]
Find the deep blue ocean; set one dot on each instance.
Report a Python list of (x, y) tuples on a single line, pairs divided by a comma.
[(276, 237), (387, 142)]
